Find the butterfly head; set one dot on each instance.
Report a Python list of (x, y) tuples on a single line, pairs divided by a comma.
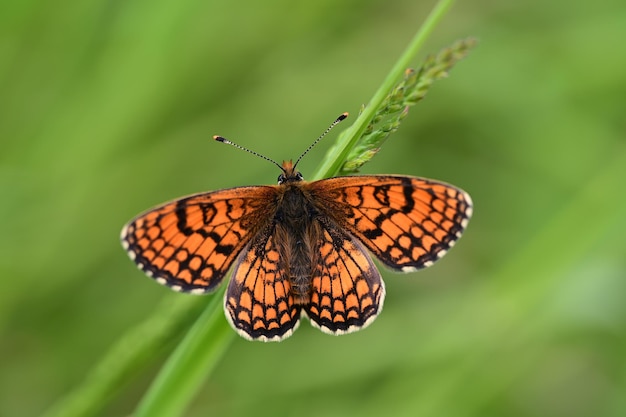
[(289, 173)]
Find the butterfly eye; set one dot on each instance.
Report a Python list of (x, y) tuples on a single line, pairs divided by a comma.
[(281, 178), (299, 176)]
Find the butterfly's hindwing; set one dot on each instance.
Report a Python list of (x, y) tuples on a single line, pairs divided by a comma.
[(347, 291), (259, 302)]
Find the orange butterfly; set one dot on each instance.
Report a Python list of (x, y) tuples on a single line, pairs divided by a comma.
[(299, 247)]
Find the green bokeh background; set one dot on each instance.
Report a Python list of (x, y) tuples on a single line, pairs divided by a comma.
[(108, 108)]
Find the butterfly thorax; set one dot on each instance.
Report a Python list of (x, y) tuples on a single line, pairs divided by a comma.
[(297, 233)]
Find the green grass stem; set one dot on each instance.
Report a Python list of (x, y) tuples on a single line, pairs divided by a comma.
[(331, 165)]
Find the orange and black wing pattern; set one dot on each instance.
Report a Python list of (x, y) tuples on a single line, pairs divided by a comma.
[(258, 303), (407, 222), (347, 292), (189, 244)]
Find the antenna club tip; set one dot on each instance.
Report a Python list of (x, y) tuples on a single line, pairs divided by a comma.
[(343, 116), (219, 138)]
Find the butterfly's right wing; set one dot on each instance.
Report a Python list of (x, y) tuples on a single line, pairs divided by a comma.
[(347, 291), (189, 244), (407, 222)]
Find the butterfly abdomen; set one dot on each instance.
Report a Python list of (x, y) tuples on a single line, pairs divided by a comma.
[(297, 234)]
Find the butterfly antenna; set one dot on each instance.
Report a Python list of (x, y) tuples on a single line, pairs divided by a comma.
[(333, 124), (226, 141)]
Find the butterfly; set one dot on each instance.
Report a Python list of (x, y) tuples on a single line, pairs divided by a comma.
[(298, 248)]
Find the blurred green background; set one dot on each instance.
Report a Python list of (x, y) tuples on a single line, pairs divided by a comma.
[(108, 108)]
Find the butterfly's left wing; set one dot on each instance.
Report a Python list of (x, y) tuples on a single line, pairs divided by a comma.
[(189, 244), (407, 222), (258, 303)]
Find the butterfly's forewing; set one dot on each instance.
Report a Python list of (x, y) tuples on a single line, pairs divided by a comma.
[(407, 222), (189, 244), (259, 303), (347, 291)]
